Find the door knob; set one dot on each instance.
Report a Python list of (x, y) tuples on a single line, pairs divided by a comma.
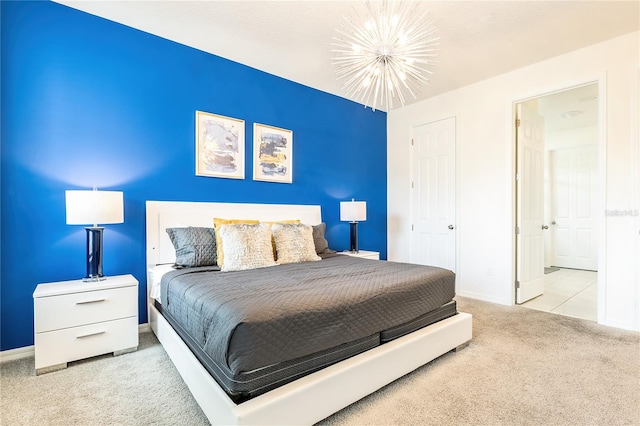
[(553, 222), (450, 227), (545, 227)]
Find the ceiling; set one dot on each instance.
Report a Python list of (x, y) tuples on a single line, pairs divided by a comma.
[(570, 109), (292, 39)]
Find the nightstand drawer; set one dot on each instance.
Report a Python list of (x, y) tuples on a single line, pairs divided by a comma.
[(70, 344), (70, 310)]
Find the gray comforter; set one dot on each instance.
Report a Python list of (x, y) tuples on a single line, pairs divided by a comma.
[(246, 320)]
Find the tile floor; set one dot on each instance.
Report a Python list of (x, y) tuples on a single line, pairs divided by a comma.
[(571, 292)]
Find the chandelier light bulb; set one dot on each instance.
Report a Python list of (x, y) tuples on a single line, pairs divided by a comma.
[(385, 56)]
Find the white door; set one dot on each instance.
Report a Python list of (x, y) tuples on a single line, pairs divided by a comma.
[(433, 194), (573, 226), (530, 205)]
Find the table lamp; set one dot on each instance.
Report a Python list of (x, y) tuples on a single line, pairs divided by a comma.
[(353, 212), (85, 207)]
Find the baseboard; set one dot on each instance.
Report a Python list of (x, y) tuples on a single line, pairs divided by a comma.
[(484, 298), (29, 351), (17, 353), (619, 324)]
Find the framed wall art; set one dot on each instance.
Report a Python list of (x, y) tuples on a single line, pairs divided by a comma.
[(272, 154), (219, 146)]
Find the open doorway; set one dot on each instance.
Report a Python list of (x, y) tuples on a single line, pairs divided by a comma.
[(570, 200)]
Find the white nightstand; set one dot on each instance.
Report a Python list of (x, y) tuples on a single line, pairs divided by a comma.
[(363, 254), (76, 320)]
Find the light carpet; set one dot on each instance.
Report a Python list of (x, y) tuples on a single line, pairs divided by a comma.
[(523, 367)]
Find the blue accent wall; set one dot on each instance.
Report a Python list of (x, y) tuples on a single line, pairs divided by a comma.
[(88, 102)]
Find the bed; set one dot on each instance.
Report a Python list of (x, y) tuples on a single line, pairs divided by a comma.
[(326, 374)]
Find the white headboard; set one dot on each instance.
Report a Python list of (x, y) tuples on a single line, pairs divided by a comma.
[(167, 214)]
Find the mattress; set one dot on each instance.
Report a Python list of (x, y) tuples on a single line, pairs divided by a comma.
[(255, 330)]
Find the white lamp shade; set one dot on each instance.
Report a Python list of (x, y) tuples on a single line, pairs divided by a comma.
[(353, 211), (94, 207)]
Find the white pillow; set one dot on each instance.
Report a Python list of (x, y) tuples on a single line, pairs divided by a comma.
[(294, 243), (246, 246), (155, 276)]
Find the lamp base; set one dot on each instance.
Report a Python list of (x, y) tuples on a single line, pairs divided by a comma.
[(94, 254), (353, 237)]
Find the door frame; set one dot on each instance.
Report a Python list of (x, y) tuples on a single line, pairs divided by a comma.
[(412, 173), (601, 80)]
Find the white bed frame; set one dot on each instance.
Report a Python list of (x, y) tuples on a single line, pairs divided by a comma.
[(313, 397)]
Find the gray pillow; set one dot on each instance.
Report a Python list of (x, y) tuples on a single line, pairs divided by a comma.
[(194, 246), (321, 243)]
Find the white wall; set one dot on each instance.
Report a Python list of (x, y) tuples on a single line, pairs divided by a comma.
[(485, 169)]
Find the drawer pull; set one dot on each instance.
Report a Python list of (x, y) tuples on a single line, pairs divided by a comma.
[(90, 334), (90, 301)]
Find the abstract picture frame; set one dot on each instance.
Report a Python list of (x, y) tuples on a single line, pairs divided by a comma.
[(272, 154), (220, 146)]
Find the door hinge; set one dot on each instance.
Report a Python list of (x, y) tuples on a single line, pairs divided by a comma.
[(517, 177), (517, 284), (517, 122), (412, 227), (411, 141), (517, 230), (412, 185)]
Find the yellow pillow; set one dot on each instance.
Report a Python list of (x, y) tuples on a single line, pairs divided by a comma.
[(273, 241), (217, 222)]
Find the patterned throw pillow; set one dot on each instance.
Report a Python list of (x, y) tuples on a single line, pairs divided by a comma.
[(195, 246), (217, 223), (273, 242), (246, 246), (294, 243)]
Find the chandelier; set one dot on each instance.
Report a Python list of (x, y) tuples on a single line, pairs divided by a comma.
[(384, 55)]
